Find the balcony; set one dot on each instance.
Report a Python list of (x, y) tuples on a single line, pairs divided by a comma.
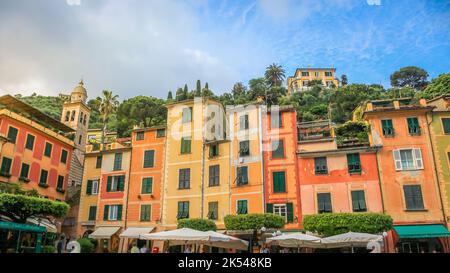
[(313, 131)]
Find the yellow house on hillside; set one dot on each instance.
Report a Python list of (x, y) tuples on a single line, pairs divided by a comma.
[(303, 76)]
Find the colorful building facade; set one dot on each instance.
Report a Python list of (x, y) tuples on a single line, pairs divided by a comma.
[(410, 191), (282, 188), (303, 76)]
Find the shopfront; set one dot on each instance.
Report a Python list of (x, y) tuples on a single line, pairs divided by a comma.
[(422, 239)]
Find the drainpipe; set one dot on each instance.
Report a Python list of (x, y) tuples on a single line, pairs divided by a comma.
[(262, 156), (379, 181), (435, 167)]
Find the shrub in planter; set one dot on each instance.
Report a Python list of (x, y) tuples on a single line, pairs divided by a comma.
[(329, 224), (48, 249), (197, 224), (86, 245), (253, 221)]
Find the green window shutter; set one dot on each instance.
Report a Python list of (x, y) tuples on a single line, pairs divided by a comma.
[(119, 212), (43, 178), (187, 115), (89, 187), (324, 202), (387, 128), (277, 149), (106, 212), (446, 125), (290, 212), (118, 161), (320, 165), (108, 185), (149, 158), (30, 142), (98, 163), (12, 134), (160, 133), (244, 148), (185, 145), (354, 163), (121, 185), (279, 182), (147, 185), (269, 208), (60, 182), (63, 156), (6, 165), (48, 149), (24, 170), (140, 136), (276, 120), (92, 213), (413, 197)]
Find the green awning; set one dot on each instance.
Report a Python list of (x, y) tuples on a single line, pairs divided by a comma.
[(421, 231)]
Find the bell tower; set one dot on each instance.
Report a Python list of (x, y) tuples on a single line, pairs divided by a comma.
[(76, 115)]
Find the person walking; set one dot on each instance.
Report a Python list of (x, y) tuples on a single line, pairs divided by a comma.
[(134, 249)]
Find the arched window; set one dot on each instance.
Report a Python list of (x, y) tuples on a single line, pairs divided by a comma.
[(81, 117), (67, 115), (84, 121), (72, 118)]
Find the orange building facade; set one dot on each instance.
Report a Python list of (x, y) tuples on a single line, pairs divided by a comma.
[(282, 189), (410, 191)]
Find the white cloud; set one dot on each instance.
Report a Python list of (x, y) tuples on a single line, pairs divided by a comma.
[(73, 2)]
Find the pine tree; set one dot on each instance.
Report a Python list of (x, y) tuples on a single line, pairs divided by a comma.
[(198, 91), (170, 96)]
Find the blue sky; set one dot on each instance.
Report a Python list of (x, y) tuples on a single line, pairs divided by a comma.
[(149, 47)]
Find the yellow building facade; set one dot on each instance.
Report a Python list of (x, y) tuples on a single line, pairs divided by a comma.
[(196, 177), (303, 76)]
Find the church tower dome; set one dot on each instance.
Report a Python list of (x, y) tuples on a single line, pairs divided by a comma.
[(79, 93)]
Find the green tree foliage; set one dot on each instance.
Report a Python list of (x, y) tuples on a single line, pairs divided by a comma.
[(312, 83), (238, 90), (140, 111), (198, 89), (48, 249), (51, 106), (197, 224), (20, 207), (253, 221), (107, 106), (329, 224), (274, 75), (344, 80), (352, 131), (410, 76), (438, 86), (169, 96), (86, 245)]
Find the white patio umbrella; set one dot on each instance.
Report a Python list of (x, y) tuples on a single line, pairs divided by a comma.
[(350, 239), (295, 240), (225, 242), (182, 235)]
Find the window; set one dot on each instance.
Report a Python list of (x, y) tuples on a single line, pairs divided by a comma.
[(284, 210), (244, 148), (324, 202), (280, 209), (276, 120), (242, 207), (320, 165), (48, 149), (72, 117), (184, 178), (115, 183), (98, 163), (117, 161), (81, 117), (214, 175), (243, 122), (359, 201), (408, 159), (43, 178), (305, 74), (328, 74), (187, 114), (92, 213), (147, 185), (60, 184), (278, 148), (6, 166), (29, 144), (80, 139), (242, 175), (316, 74), (140, 135), (413, 197), (183, 210), (24, 170), (186, 145), (213, 210), (160, 133), (446, 125), (92, 187), (64, 156), (305, 83), (146, 213), (413, 126), (213, 150), (354, 163), (67, 115), (112, 213), (149, 158), (387, 128), (279, 182), (12, 134)]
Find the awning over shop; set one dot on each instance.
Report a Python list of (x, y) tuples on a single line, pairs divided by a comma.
[(421, 231), (135, 232), (43, 222), (103, 232)]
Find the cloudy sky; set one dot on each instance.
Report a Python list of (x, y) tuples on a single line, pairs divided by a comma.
[(149, 47)]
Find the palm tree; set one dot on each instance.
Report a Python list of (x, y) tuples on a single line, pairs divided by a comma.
[(275, 75), (108, 105)]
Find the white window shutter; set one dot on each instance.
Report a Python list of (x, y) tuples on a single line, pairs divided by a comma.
[(418, 158), (397, 160)]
